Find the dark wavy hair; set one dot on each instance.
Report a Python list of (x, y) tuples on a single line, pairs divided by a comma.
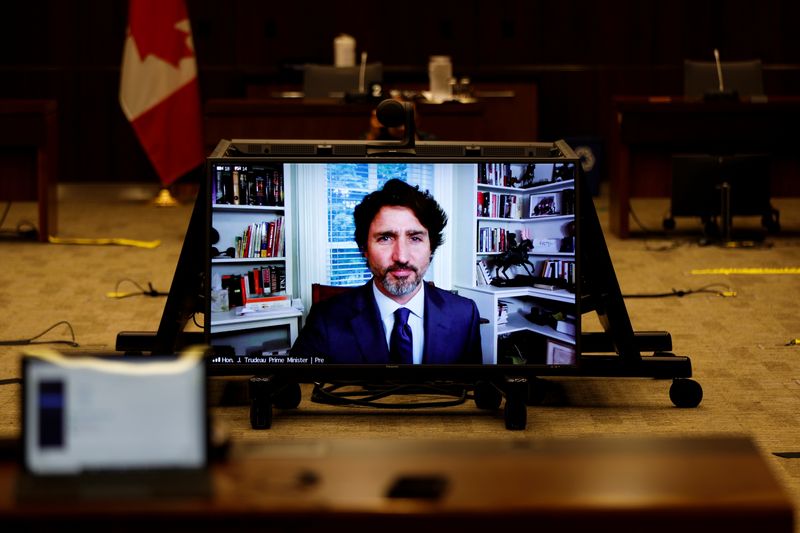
[(398, 193)]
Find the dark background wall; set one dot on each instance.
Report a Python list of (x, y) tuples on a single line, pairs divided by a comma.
[(580, 53)]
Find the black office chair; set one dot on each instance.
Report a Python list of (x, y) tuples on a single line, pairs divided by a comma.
[(743, 78), (714, 187), (323, 81)]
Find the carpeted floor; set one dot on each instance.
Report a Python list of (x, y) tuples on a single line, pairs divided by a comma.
[(738, 345)]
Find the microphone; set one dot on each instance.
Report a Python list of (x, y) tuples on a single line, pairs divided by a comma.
[(720, 94), (362, 71), (719, 71)]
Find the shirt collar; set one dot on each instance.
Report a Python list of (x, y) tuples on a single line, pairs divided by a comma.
[(387, 306)]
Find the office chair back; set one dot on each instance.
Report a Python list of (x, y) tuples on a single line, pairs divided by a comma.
[(321, 292), (744, 77), (323, 81)]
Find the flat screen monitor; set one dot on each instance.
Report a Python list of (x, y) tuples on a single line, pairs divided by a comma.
[(697, 181), (479, 243)]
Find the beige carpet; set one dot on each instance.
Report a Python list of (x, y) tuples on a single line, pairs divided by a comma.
[(751, 379)]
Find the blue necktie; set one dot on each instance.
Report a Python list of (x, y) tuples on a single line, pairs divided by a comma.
[(400, 346)]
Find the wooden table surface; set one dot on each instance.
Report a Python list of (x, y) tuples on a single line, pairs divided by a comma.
[(703, 484)]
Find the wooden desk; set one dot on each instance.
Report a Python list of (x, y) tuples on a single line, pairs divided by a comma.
[(28, 157), (646, 132), (611, 485), (505, 113)]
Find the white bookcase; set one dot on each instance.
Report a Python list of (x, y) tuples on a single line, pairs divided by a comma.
[(275, 328), (551, 232)]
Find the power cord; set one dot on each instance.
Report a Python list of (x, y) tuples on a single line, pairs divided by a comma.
[(32, 340), (727, 292), (369, 395), (150, 291), (650, 233)]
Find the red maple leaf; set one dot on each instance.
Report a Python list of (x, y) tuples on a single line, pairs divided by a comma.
[(152, 26)]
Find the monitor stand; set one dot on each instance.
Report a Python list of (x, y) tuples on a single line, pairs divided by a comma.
[(185, 296), (615, 352)]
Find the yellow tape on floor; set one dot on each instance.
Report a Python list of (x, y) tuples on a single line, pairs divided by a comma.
[(757, 271), (106, 240)]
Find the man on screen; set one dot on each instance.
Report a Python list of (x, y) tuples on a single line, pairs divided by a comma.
[(395, 318)]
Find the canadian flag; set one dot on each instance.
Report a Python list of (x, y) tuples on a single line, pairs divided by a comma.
[(158, 91)]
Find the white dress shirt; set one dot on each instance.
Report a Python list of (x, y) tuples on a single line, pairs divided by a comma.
[(387, 307)]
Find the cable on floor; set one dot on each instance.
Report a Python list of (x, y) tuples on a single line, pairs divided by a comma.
[(32, 340), (150, 291), (727, 292)]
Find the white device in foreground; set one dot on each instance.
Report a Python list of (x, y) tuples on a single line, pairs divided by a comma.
[(89, 413)]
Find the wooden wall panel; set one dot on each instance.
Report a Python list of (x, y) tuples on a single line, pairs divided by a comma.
[(580, 52)]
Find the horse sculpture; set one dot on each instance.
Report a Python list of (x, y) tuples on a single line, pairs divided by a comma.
[(515, 255)]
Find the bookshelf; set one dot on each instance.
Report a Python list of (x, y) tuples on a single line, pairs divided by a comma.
[(251, 213), (534, 202)]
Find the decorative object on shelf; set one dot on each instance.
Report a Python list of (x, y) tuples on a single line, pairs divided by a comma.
[(559, 353), (515, 255), (544, 205), (546, 245), (525, 180), (568, 242)]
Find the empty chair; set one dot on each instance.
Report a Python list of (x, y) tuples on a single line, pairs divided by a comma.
[(322, 81), (742, 77)]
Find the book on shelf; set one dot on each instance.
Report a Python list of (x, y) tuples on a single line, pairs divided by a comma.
[(498, 205), (233, 284), (497, 174), (502, 312), (557, 269), (261, 239), (265, 303), (235, 183), (483, 272), (566, 326), (242, 185)]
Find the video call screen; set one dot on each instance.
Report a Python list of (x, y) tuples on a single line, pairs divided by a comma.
[(497, 285)]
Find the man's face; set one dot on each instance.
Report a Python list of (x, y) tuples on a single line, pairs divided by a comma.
[(398, 252)]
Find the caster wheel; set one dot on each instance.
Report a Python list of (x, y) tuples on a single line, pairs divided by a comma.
[(288, 397), (771, 223), (685, 393), (487, 396), (260, 415), (516, 415)]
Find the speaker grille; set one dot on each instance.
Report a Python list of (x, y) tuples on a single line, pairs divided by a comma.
[(292, 149), (440, 150), (506, 151), (349, 149)]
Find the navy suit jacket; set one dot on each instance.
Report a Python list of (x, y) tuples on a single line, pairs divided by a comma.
[(347, 328)]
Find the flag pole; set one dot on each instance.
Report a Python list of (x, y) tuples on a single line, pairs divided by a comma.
[(164, 198)]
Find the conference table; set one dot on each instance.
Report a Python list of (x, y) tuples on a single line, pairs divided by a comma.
[(658, 485), (647, 131), (500, 112)]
